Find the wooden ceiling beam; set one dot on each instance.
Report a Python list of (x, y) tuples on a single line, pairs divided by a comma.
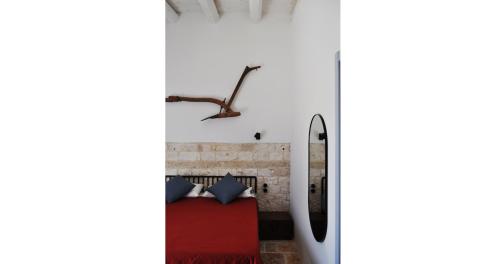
[(172, 15), (210, 10), (255, 10)]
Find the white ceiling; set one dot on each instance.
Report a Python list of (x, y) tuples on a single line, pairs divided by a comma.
[(235, 6)]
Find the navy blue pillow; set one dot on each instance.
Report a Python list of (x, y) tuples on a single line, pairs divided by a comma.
[(176, 188), (227, 189)]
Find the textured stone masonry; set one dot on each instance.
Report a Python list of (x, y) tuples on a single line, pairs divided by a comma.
[(270, 162)]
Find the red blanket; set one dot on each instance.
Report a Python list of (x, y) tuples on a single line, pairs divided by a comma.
[(204, 231)]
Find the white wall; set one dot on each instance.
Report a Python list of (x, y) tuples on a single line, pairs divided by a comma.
[(315, 41), (204, 59), (297, 81)]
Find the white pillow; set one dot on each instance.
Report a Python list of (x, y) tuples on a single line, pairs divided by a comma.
[(207, 194), (245, 194), (195, 192)]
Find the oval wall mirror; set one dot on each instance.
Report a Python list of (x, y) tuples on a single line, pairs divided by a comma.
[(318, 173)]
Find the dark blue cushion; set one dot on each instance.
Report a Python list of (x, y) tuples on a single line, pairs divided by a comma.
[(227, 189), (176, 188)]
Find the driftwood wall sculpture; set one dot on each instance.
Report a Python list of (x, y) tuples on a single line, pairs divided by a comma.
[(225, 108)]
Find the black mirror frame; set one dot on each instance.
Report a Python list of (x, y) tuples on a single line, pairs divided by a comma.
[(319, 238)]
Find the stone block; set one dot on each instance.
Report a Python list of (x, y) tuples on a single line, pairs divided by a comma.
[(207, 156), (228, 147), (286, 155), (270, 164), (206, 147), (264, 172), (273, 187), (261, 155), (184, 172), (247, 147), (235, 164), (183, 147), (281, 171), (263, 147), (276, 156), (226, 155), (188, 156), (172, 156), (284, 181), (245, 156), (249, 172), (281, 147), (171, 172), (204, 172)]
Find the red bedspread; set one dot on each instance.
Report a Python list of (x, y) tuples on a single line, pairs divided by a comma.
[(204, 231)]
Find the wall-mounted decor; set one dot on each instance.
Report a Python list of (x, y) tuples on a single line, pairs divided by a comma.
[(225, 108)]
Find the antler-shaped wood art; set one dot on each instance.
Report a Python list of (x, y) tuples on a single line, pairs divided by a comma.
[(225, 108)]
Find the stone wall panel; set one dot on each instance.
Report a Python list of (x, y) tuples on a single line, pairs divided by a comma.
[(270, 162)]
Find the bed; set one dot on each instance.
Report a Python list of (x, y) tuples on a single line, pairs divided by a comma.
[(204, 231)]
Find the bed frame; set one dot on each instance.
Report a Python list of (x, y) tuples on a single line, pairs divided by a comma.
[(250, 181)]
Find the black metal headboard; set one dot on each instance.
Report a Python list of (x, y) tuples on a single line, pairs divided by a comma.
[(250, 181)]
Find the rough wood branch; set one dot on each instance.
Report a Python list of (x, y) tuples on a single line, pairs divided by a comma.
[(225, 110)]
